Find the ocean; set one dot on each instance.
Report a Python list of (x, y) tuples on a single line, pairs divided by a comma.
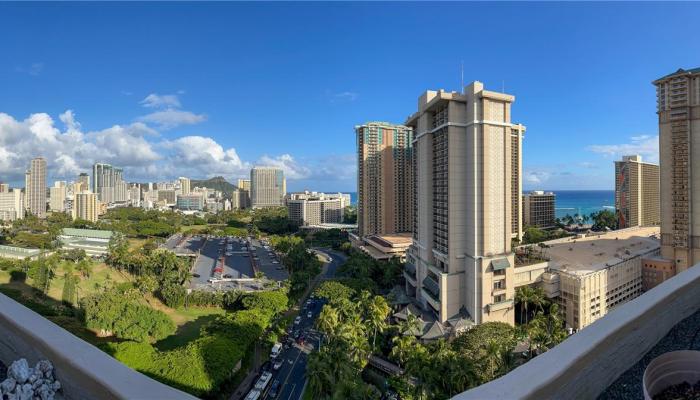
[(583, 202), (570, 201)]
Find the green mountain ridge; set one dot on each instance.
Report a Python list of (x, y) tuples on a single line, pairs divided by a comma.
[(217, 183)]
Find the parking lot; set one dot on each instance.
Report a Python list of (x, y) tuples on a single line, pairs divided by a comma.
[(227, 262)]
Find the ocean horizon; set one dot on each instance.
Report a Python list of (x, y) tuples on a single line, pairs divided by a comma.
[(568, 201)]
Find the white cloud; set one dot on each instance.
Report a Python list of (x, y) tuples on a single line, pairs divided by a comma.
[(170, 118), (344, 96), (203, 156), (168, 114), (147, 156), (536, 177), (645, 145), (155, 100)]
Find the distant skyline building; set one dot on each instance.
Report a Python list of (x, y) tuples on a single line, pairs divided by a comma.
[(12, 205), (310, 208), (4, 188), (384, 178), (108, 183), (85, 206), (637, 198), (35, 179), (267, 187), (243, 193), (84, 180), (539, 209), (461, 264), (184, 185), (57, 196), (190, 202), (678, 109)]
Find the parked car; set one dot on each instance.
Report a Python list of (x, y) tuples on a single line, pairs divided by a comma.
[(297, 320), (196, 275), (309, 314), (277, 365)]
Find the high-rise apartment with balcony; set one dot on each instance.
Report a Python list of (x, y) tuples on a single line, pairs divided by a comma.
[(108, 183), (57, 196), (384, 178), (243, 193), (35, 180), (637, 200), (11, 205), (267, 187), (538, 209), (678, 108), (85, 206), (184, 185), (467, 165)]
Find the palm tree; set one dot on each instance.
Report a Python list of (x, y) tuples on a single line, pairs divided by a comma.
[(377, 311), (492, 359), (538, 299), (410, 325), (524, 295), (320, 372), (328, 321), (403, 348)]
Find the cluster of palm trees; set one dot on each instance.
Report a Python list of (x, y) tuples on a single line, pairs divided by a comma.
[(541, 322), (350, 328)]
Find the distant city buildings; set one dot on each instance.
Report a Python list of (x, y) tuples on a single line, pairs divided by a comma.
[(190, 202), (538, 209), (384, 178), (85, 206), (167, 196), (312, 208), (109, 184), (184, 185), (678, 109), (267, 187), (467, 167), (637, 200), (11, 205), (57, 196), (35, 180), (243, 194)]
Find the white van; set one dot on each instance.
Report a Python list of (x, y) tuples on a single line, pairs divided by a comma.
[(276, 350)]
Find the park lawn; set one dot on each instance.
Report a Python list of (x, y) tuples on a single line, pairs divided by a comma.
[(189, 322), (101, 273), (186, 228)]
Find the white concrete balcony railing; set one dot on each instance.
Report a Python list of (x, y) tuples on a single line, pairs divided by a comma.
[(84, 371), (587, 363)]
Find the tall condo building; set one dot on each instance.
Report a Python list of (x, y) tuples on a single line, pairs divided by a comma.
[(108, 183), (84, 180), (85, 206), (467, 165), (678, 108), (35, 180), (57, 196), (267, 187), (11, 205), (4, 188), (636, 192), (538, 209), (243, 193), (184, 185), (384, 178)]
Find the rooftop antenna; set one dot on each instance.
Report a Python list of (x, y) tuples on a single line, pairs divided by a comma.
[(461, 74)]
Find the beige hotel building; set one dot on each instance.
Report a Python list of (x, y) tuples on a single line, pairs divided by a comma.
[(636, 192), (467, 204), (678, 108), (384, 174)]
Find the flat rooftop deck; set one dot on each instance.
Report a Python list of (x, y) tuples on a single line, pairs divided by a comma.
[(585, 255)]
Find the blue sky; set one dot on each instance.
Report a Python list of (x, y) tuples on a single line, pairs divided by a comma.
[(207, 89)]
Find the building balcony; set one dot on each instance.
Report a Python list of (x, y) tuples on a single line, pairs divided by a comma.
[(84, 371), (608, 357), (501, 305)]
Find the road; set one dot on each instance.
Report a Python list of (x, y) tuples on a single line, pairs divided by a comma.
[(292, 375)]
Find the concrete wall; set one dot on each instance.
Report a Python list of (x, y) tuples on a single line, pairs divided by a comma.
[(84, 371), (585, 364)]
